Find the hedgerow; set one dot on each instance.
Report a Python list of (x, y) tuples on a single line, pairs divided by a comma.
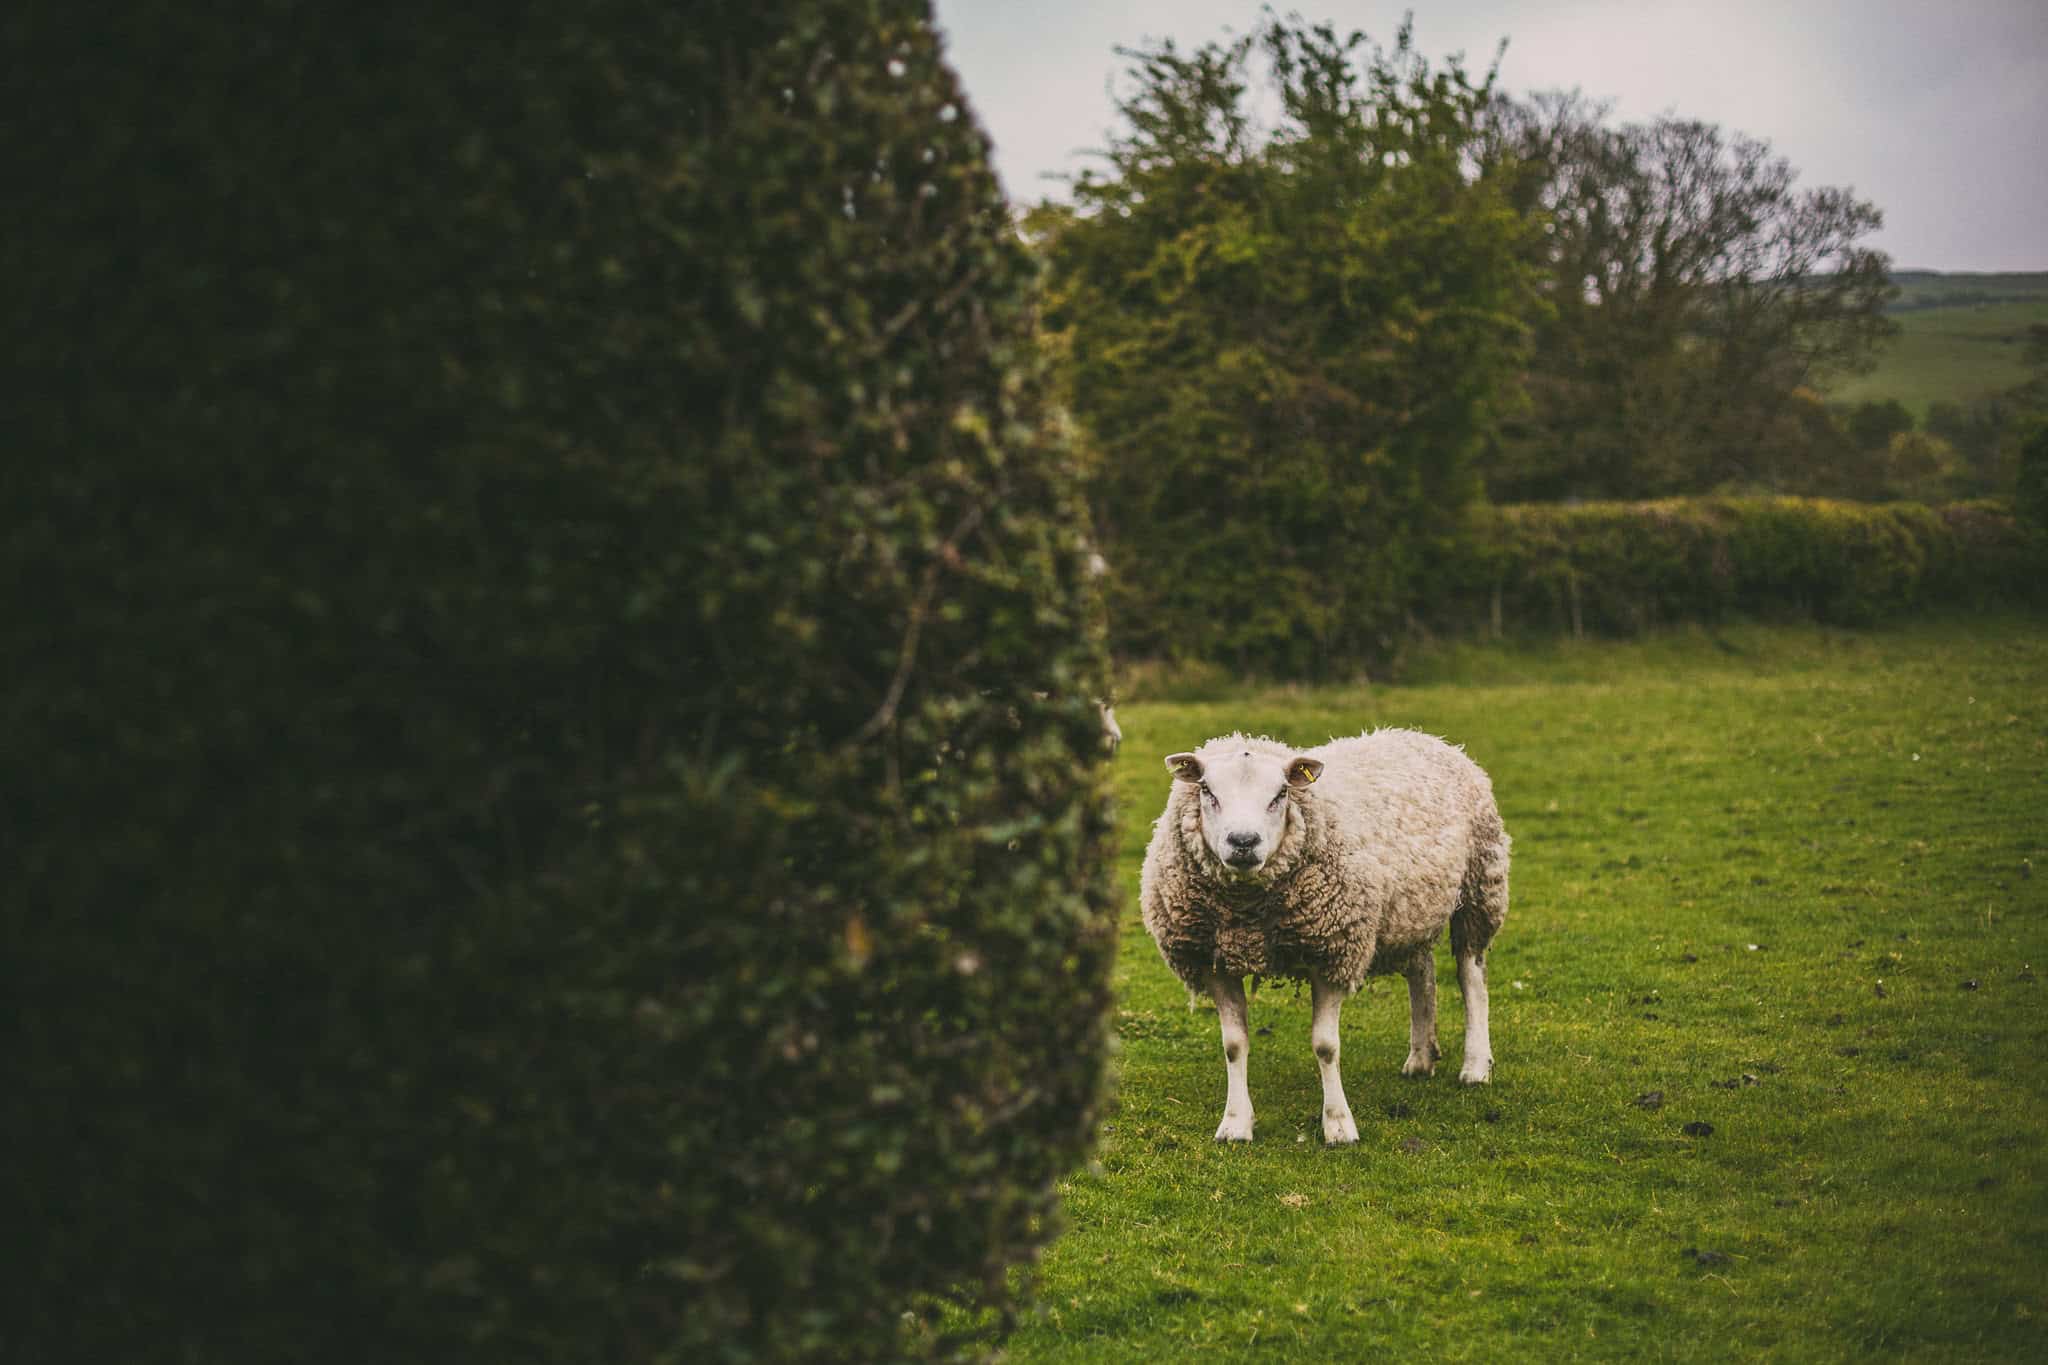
[(1623, 567), (552, 782)]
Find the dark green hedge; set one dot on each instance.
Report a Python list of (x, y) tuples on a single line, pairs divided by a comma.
[(1622, 567), (533, 575)]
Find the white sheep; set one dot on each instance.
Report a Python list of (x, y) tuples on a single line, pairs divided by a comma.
[(1328, 865)]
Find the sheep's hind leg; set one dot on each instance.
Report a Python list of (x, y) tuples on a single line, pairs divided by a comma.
[(1478, 1067), (1483, 908), (1228, 992), (1338, 1125), (1422, 1048)]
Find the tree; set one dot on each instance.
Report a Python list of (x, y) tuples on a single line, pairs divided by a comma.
[(1920, 467), (1974, 428), (2035, 345), (1873, 424), (1810, 454), (1286, 344), (2030, 491), (1695, 291)]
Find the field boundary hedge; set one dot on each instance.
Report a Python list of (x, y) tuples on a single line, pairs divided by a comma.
[(1624, 567), (556, 801)]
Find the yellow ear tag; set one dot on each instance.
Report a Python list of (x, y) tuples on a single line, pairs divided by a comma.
[(1308, 774)]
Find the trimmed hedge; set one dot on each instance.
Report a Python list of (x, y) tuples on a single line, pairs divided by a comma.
[(554, 794), (1623, 567)]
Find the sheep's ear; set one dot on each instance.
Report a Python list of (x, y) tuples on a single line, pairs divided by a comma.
[(1302, 770), (1184, 767)]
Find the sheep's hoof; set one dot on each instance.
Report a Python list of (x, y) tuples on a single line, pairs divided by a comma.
[(1339, 1129), (1477, 1073), (1419, 1064), (1234, 1128)]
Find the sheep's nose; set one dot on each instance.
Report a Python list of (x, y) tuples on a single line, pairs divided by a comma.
[(1242, 840), (1244, 849)]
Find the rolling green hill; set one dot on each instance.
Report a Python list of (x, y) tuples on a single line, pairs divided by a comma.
[(1959, 338)]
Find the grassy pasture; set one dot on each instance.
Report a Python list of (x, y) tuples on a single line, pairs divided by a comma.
[(1793, 881), (1959, 338)]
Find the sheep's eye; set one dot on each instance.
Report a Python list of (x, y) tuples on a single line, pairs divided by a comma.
[(1275, 802), (1209, 795)]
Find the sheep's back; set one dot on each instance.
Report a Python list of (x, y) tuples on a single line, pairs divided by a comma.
[(1403, 812)]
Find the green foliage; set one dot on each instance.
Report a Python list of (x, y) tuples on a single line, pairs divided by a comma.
[(2034, 345), (551, 776), (1624, 567), (1862, 807), (1803, 450), (1918, 465), (1286, 347), (1872, 424), (2031, 497), (1976, 430)]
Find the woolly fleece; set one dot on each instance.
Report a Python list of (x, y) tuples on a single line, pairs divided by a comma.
[(1398, 837)]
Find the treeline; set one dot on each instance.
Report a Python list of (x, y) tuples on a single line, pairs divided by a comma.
[(1323, 298), (1875, 449), (1921, 289)]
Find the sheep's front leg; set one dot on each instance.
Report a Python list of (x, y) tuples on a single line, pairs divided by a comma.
[(1338, 1125), (1228, 992)]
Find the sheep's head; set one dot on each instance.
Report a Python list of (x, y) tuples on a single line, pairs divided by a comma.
[(1243, 801)]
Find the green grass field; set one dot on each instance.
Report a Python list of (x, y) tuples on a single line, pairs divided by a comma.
[(1959, 339), (1793, 881)]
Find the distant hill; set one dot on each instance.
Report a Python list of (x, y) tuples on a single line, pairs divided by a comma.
[(1920, 289), (1959, 338)]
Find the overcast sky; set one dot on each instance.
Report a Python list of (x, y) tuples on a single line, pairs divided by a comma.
[(1936, 110)]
